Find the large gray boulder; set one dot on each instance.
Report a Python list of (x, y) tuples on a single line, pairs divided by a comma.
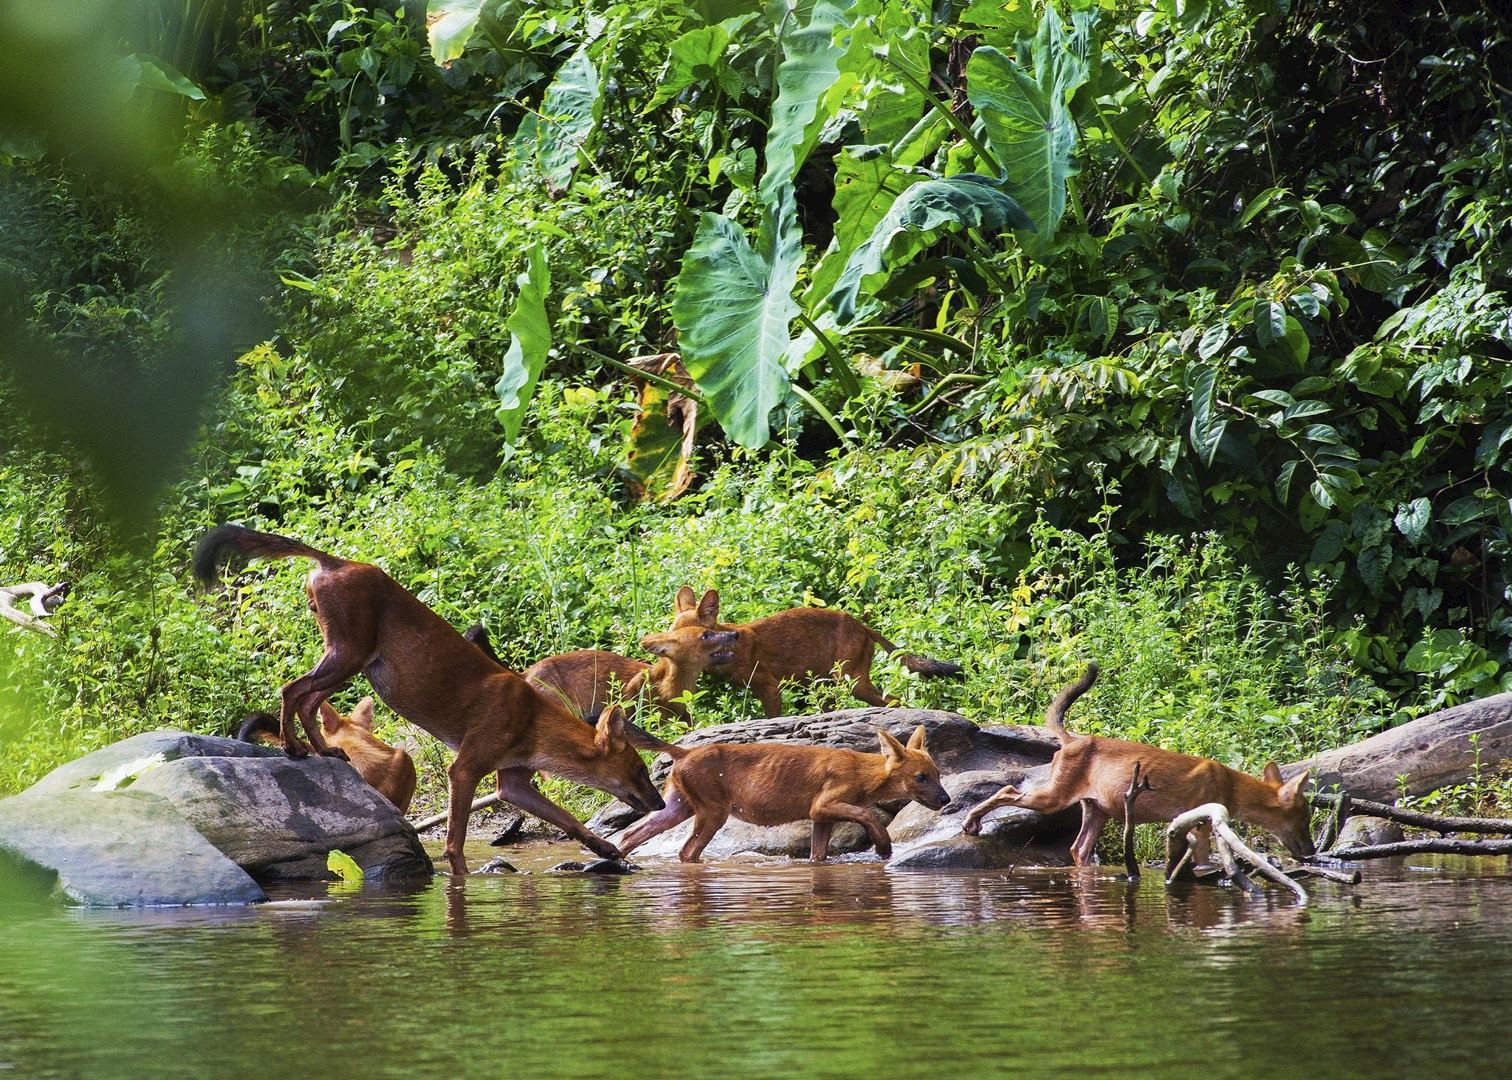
[(974, 762), (117, 849), (174, 818), (1423, 755)]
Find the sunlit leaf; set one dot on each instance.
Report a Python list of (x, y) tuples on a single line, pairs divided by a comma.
[(452, 23), (529, 341), (566, 121)]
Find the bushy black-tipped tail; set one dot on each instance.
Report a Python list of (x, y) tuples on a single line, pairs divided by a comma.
[(260, 727), (1055, 716), (930, 668), (477, 633), (223, 541)]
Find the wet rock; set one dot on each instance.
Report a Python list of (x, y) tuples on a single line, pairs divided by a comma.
[(1366, 831), (117, 849), (497, 865), (513, 831), (742, 838), (610, 867), (571, 866), (1428, 753), (116, 825)]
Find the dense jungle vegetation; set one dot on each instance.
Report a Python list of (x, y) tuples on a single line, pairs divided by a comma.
[(1169, 333)]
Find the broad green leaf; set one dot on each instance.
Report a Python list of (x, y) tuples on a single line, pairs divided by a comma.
[(529, 341), (888, 106), (1270, 322), (1412, 519), (566, 122), (1208, 425), (1284, 479), (149, 73), (866, 184), (451, 26), (810, 66), (1259, 203), (344, 866), (1373, 562), (662, 437), (1027, 114), (695, 57), (913, 222), (733, 306)]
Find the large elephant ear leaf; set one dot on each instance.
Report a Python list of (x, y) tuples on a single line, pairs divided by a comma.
[(913, 222), (805, 78), (452, 23), (566, 121), (733, 306), (1027, 115), (529, 342)]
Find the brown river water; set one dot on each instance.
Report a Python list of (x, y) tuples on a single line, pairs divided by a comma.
[(770, 968)]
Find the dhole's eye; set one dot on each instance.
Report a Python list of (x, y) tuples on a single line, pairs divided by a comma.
[(920, 776)]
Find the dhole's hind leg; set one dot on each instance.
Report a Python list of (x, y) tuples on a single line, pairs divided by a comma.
[(677, 811), (518, 789), (1084, 847), (705, 825), (303, 696), (769, 692), (819, 840), (863, 687)]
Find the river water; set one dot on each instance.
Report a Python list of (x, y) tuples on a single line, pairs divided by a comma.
[(770, 968)]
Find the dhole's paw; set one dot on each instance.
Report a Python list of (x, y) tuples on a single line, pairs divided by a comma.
[(296, 751), (336, 752), (972, 826), (604, 849), (884, 850)]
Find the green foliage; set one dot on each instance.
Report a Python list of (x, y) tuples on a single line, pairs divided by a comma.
[(529, 341)]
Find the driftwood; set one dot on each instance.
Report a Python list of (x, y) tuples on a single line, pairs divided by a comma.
[(1308, 869), (481, 803), (1430, 845), (1346, 806), (42, 599), (1227, 844), (1137, 785)]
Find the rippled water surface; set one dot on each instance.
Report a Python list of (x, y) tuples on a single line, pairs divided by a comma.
[(777, 969)]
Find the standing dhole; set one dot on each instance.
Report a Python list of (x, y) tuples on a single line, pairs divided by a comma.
[(387, 768), (1096, 772), (777, 783), (801, 644), (427, 673)]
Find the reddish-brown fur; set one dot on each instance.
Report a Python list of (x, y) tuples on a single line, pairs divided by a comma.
[(776, 783), (387, 768), (801, 645), (1096, 771), (430, 675)]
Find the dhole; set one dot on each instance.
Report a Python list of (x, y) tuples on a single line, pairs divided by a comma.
[(423, 669), (1096, 772), (802, 644), (387, 768), (586, 679), (776, 783)]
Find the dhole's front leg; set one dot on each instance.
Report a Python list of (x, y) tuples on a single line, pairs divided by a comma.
[(769, 692), (830, 812), (819, 840), (676, 812), (1008, 795), (516, 788), (463, 779)]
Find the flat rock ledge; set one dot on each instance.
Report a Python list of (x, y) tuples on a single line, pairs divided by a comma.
[(169, 818), (974, 762)]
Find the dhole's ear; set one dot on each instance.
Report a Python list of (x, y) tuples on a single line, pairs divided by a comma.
[(362, 715), (655, 644), (916, 740), (1291, 791), (1272, 774), (687, 600), (330, 719), (892, 749), (611, 728), (708, 607)]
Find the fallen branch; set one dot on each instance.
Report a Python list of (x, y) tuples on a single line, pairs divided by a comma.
[(1333, 822), (1439, 823), (43, 600), (1228, 845), (1137, 786), (1344, 877), (481, 803), (1432, 845)]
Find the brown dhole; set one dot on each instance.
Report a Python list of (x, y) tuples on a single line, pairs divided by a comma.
[(387, 768), (427, 673), (588, 679), (776, 783), (1096, 772), (801, 644)]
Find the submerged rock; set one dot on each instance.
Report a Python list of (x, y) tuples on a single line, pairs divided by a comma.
[(173, 818), (1366, 831), (925, 840), (497, 865)]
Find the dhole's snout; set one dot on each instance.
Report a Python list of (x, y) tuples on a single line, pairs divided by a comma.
[(939, 800), (643, 802)]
